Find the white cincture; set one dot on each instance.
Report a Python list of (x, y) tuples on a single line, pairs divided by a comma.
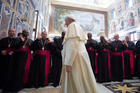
[(66, 82), (23, 46), (42, 48), (9, 45)]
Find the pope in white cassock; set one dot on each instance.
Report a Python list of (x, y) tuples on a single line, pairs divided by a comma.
[(77, 75)]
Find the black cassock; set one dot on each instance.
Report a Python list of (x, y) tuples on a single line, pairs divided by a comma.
[(56, 61), (91, 47), (104, 63), (117, 65), (19, 67), (128, 60), (40, 66), (137, 61), (5, 44)]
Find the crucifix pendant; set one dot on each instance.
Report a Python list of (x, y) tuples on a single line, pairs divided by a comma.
[(9, 45), (115, 49), (42, 48)]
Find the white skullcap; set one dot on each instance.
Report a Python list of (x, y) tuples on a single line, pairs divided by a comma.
[(71, 16)]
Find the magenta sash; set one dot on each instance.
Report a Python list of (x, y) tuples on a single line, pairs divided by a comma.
[(130, 52), (27, 65), (47, 63), (120, 54), (109, 72), (92, 49)]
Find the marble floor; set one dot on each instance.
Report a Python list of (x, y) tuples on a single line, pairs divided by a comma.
[(50, 89)]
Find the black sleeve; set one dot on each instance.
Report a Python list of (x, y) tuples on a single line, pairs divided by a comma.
[(30, 44), (34, 45), (3, 44), (138, 47), (99, 47), (55, 50), (131, 46), (50, 46), (0, 46), (17, 43), (111, 46), (122, 46)]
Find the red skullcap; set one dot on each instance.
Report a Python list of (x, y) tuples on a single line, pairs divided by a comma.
[(11, 29), (63, 31)]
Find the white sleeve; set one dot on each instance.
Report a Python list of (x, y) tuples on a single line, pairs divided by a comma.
[(70, 51)]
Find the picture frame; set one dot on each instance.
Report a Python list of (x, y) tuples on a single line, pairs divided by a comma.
[(5, 21), (90, 22)]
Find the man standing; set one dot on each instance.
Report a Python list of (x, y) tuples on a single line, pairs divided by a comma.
[(117, 65), (137, 62), (77, 75), (128, 57), (91, 46), (104, 61), (40, 66), (19, 68), (6, 51), (56, 60)]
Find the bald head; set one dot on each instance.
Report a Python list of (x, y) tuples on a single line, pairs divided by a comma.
[(127, 38), (25, 33), (11, 32), (116, 37), (89, 36), (44, 34)]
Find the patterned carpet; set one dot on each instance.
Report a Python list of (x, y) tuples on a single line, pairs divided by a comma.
[(124, 87), (41, 90)]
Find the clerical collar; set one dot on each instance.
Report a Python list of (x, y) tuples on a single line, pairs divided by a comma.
[(43, 38), (90, 39), (43, 43), (10, 37)]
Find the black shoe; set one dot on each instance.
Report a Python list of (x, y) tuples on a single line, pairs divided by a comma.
[(55, 85)]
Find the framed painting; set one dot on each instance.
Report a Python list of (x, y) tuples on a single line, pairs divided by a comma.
[(0, 7), (129, 3), (21, 6), (137, 1), (119, 8), (89, 21), (138, 14), (26, 11), (0, 11), (18, 25), (5, 21), (0, 19), (11, 3)]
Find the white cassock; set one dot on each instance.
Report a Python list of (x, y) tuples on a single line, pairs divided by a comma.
[(81, 79)]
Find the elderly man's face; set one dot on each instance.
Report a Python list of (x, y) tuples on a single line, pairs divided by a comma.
[(11, 33), (67, 21), (25, 33), (44, 34), (127, 38), (116, 37), (89, 36)]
